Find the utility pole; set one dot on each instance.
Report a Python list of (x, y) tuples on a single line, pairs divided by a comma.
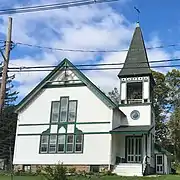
[(5, 64)]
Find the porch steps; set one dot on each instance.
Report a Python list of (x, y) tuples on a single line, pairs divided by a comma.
[(128, 169)]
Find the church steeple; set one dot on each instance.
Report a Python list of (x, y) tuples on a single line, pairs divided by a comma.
[(136, 63), (136, 80)]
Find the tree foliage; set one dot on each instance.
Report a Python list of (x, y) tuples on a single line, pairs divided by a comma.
[(114, 95), (174, 127), (8, 120), (173, 83), (160, 102)]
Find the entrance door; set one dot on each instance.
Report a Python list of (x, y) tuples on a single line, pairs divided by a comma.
[(134, 149), (159, 164)]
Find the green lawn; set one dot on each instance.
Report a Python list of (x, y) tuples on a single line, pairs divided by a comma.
[(168, 177)]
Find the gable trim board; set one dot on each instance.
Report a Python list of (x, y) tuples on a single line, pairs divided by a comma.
[(65, 64), (63, 85)]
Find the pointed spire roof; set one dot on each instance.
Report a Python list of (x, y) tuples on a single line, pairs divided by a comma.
[(136, 63)]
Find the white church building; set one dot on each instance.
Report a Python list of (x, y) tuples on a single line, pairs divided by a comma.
[(68, 119)]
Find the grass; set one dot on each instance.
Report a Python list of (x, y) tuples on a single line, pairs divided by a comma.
[(164, 177)]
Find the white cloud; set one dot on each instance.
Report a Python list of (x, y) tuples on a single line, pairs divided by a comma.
[(89, 27), (158, 54)]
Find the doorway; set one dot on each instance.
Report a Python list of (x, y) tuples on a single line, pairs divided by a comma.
[(134, 149), (159, 164)]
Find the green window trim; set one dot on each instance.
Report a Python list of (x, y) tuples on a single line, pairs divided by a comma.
[(52, 143), (52, 111), (65, 151), (61, 144), (70, 143), (75, 111), (66, 98), (44, 145), (65, 109)]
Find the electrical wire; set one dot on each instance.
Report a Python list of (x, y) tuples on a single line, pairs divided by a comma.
[(92, 65), (87, 50), (93, 69), (52, 6), (92, 51)]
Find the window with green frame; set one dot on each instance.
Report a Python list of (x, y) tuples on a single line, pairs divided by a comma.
[(64, 110), (61, 143)]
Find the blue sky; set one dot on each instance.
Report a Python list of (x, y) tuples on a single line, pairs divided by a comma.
[(105, 26), (161, 17)]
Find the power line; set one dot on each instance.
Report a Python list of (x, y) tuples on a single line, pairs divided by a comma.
[(92, 65), (87, 50), (52, 6), (92, 69), (91, 51)]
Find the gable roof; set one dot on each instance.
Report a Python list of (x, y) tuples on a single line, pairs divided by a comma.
[(162, 150), (136, 62), (66, 63)]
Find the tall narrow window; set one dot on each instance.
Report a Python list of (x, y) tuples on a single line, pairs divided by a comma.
[(52, 143), (44, 144), (64, 109), (55, 111), (70, 142), (61, 143), (72, 111), (79, 143)]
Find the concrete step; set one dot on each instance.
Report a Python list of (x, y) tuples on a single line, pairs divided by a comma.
[(128, 169)]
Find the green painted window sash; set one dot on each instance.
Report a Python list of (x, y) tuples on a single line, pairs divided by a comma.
[(65, 145), (60, 123), (60, 110)]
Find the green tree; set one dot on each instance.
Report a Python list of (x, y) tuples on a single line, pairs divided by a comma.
[(114, 95), (8, 120), (173, 82), (174, 127), (160, 103)]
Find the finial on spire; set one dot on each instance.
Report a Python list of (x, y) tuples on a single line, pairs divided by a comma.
[(137, 24), (138, 13)]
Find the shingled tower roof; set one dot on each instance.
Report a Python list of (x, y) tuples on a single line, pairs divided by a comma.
[(136, 63)]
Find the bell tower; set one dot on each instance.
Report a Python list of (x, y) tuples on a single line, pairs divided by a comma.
[(136, 80)]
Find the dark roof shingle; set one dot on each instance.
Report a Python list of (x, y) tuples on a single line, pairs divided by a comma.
[(136, 62)]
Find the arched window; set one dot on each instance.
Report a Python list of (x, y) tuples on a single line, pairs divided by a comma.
[(61, 140)]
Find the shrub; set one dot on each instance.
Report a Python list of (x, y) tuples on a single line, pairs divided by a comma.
[(57, 172), (107, 173), (38, 170), (72, 171), (24, 173)]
